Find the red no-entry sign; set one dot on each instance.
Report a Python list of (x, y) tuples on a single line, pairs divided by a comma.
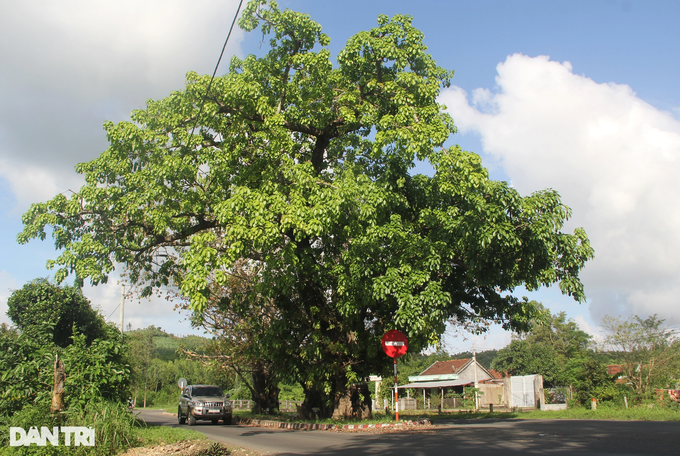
[(394, 343)]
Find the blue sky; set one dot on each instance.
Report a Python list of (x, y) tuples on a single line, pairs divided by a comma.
[(580, 96)]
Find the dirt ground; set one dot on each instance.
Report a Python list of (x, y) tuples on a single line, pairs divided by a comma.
[(189, 448)]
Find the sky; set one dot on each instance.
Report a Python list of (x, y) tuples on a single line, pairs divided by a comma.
[(578, 96)]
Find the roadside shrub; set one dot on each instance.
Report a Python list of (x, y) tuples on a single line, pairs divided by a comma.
[(165, 398), (594, 382), (112, 422)]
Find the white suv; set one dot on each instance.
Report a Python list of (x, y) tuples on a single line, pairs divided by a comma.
[(203, 402)]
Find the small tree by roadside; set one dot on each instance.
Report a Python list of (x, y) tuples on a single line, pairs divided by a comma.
[(648, 349), (95, 364), (555, 347), (595, 382)]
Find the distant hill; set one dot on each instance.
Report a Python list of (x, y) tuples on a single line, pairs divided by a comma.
[(167, 345)]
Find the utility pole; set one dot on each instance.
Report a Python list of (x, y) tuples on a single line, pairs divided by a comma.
[(122, 309), (474, 360)]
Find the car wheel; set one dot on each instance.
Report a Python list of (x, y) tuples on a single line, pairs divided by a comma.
[(214, 421), (227, 420), (180, 418), (191, 420)]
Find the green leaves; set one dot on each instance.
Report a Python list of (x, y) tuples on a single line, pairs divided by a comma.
[(95, 369), (299, 168)]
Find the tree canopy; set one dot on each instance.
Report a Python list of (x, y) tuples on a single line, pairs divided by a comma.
[(301, 168), (39, 302)]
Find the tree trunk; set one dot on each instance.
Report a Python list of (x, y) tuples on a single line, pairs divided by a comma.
[(265, 391), (347, 402), (353, 402), (58, 388), (314, 406)]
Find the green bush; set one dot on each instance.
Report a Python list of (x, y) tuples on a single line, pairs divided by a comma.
[(166, 398), (26, 372), (58, 323), (594, 382), (65, 308), (112, 422), (93, 372)]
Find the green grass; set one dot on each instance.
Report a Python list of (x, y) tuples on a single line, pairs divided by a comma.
[(641, 413), (170, 407), (157, 435), (116, 429)]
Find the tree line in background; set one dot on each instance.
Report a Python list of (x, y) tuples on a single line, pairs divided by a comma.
[(644, 355)]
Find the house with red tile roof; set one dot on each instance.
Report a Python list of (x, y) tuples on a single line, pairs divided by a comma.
[(618, 370), (453, 374), (456, 374), (464, 368)]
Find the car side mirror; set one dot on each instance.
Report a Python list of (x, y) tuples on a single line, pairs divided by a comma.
[(227, 395)]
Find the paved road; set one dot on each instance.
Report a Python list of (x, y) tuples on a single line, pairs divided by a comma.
[(478, 438)]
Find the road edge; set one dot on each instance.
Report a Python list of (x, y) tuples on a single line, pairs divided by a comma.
[(324, 427)]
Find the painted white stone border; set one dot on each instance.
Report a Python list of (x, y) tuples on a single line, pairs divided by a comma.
[(325, 427)]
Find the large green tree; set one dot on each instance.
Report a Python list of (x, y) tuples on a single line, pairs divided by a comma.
[(555, 347), (302, 168)]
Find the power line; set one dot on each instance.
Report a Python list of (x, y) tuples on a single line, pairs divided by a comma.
[(114, 310), (200, 109), (207, 91)]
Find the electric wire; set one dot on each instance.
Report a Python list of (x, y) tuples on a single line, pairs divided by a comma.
[(207, 90), (113, 311)]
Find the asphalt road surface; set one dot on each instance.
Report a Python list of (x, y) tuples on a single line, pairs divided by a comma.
[(471, 437)]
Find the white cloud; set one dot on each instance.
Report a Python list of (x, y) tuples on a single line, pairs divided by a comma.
[(105, 298), (7, 285), (614, 159), (141, 313), (31, 183), (70, 65), (457, 339)]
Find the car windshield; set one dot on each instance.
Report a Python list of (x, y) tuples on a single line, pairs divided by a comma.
[(206, 391)]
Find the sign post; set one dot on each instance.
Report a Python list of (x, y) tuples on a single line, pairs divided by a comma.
[(395, 344)]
